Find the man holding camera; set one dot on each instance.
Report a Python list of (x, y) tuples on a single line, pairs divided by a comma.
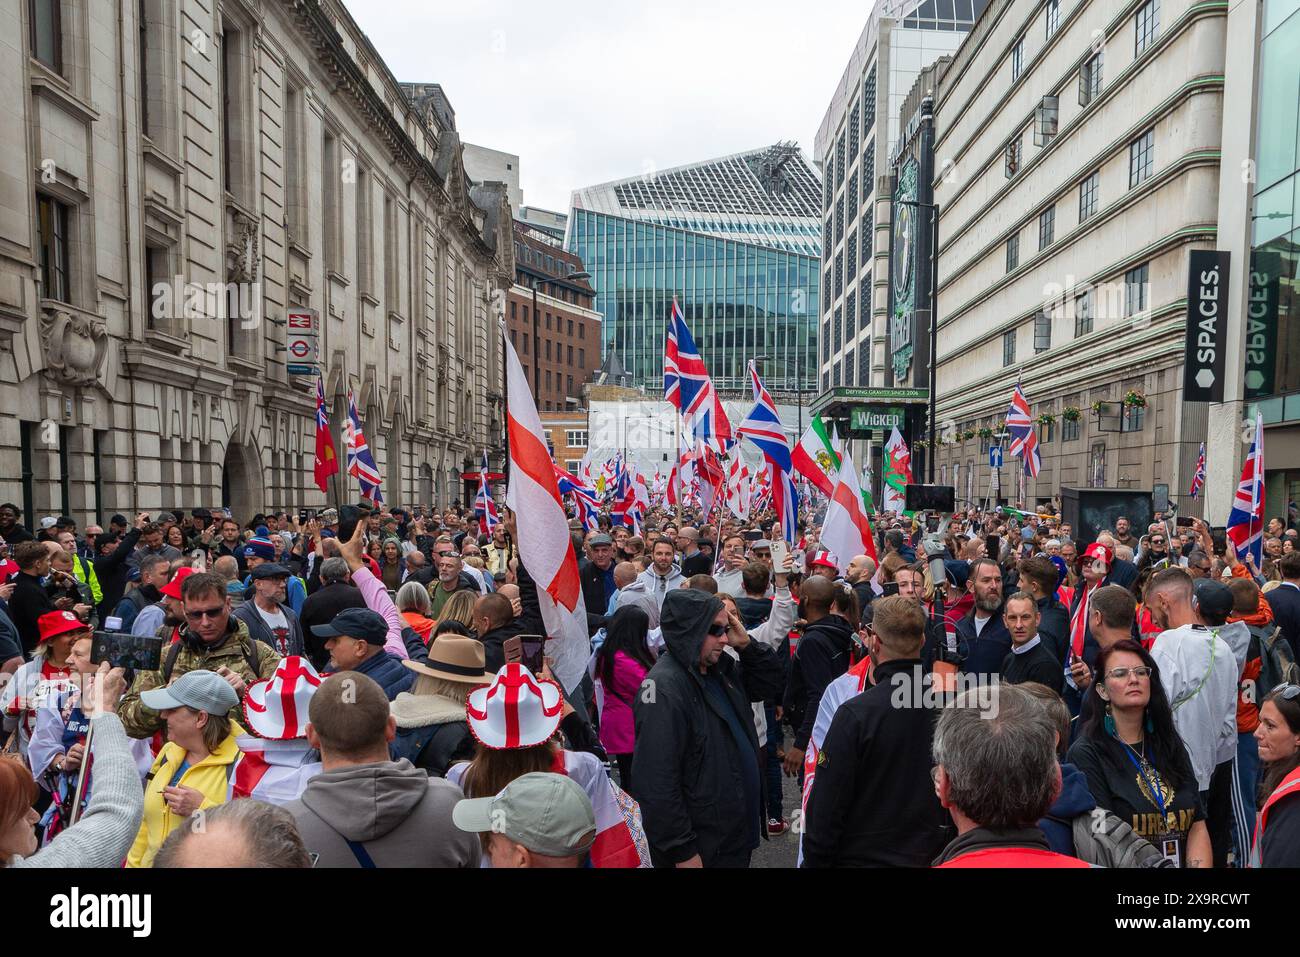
[(210, 640)]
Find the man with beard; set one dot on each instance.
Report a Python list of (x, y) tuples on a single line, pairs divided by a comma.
[(1124, 533), (153, 575), (821, 656), (982, 635), (10, 530)]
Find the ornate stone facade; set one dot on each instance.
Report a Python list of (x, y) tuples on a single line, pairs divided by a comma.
[(172, 193)]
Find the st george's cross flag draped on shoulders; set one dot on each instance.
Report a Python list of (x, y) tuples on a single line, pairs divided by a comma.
[(545, 546)]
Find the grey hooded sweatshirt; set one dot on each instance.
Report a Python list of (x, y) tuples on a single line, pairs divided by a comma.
[(393, 814)]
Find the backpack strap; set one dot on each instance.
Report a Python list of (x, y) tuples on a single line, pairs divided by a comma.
[(169, 663)]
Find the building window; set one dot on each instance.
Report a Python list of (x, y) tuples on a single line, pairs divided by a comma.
[(45, 17), (331, 176), (576, 438), (582, 358), (1132, 418), (1090, 78), (848, 367), (1052, 17), (1088, 195), (1009, 347), (851, 195), (839, 275), (1012, 157), (582, 330), (868, 230), (868, 171), (1047, 116), (1141, 154), (1013, 252), (548, 350), (1046, 227), (157, 281), (839, 219), (1017, 59), (570, 352), (391, 266), (864, 303), (1146, 26), (1097, 467), (864, 363), (1042, 332), (1135, 290), (838, 336), (52, 228), (985, 442), (853, 124), (569, 326), (869, 102), (839, 160), (1083, 314), (1069, 430), (1045, 430), (851, 252), (365, 236)]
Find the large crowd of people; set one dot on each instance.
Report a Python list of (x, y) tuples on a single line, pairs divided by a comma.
[(988, 689)]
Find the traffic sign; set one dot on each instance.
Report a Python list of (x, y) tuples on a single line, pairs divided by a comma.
[(995, 456)]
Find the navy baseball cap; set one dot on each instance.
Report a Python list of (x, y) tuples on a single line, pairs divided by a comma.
[(360, 623)]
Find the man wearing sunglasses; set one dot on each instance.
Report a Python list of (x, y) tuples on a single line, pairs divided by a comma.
[(210, 640)]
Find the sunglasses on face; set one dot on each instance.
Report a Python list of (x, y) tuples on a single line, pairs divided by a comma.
[(717, 631), (200, 613)]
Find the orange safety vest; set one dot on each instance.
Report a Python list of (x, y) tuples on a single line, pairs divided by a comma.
[(1290, 785)]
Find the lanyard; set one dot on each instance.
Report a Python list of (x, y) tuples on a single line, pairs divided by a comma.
[(1151, 785)]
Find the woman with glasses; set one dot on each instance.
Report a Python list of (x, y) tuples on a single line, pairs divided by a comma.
[(1277, 828), (1135, 762)]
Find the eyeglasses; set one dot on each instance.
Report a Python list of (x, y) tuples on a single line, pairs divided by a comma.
[(717, 631), (200, 613), (1142, 671)]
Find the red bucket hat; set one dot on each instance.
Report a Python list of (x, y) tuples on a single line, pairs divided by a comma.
[(55, 623)]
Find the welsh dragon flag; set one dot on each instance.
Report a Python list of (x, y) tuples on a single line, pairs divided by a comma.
[(816, 458), (898, 472)]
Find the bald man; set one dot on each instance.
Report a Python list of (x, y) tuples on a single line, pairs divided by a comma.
[(694, 561), (632, 590)]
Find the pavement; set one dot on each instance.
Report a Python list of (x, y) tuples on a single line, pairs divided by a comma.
[(782, 850)]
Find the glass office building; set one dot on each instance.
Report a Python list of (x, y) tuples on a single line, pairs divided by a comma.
[(1272, 356), (736, 240)]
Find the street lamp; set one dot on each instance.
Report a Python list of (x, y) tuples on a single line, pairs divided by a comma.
[(537, 374), (934, 322)]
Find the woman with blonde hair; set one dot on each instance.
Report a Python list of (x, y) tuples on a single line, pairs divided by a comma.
[(460, 607)]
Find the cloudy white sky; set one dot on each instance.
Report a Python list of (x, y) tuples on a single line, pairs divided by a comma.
[(587, 91)]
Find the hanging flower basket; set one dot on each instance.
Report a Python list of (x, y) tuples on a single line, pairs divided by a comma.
[(968, 435), (986, 433), (1047, 418), (921, 444), (1071, 413), (1135, 399), (1099, 407)]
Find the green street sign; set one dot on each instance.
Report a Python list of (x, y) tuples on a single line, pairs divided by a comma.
[(865, 418)]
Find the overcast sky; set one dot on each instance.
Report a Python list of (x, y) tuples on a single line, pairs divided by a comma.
[(593, 90)]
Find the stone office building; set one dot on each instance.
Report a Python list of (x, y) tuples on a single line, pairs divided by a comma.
[(178, 176)]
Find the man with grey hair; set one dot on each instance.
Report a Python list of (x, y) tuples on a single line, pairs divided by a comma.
[(243, 833), (335, 594), (997, 774)]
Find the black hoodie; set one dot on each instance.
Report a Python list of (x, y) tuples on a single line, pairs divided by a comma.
[(822, 656), (687, 761)]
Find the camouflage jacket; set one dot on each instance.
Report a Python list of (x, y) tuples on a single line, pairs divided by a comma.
[(234, 653)]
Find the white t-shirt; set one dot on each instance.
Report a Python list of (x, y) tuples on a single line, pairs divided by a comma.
[(279, 625), (979, 623), (1199, 673)]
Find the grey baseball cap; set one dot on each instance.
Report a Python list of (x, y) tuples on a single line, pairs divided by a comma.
[(200, 690), (547, 813), (600, 539)]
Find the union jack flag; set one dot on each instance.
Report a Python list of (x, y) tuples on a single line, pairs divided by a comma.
[(360, 462), (688, 387), (763, 427), (484, 507), (1024, 442), (1246, 521), (1198, 477)]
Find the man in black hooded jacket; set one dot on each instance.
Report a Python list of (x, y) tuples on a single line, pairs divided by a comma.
[(696, 750), (822, 656)]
